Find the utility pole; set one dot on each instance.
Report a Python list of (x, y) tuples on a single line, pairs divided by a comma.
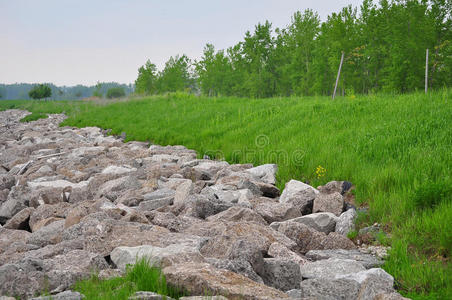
[(426, 71), (338, 75)]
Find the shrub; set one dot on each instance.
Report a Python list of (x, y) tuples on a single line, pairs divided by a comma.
[(116, 92)]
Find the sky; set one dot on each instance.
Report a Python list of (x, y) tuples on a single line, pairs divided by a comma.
[(69, 42)]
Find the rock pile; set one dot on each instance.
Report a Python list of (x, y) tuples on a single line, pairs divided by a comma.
[(74, 201)]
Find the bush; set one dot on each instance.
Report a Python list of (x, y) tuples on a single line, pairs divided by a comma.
[(40, 91), (116, 92)]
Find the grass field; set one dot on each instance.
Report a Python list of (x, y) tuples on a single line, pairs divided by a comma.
[(396, 149)]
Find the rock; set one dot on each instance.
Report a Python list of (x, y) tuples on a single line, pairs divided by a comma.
[(118, 170), (346, 222), (85, 151), (182, 192), (273, 211), (148, 296), (57, 184), (7, 298), (372, 282), (203, 278), (333, 203), (50, 234), (331, 187), (390, 296), (266, 173), (200, 206), (46, 211), (330, 268), (268, 190), (7, 181), (367, 260), (111, 189), (294, 294), (239, 266), (206, 170), (66, 295), (322, 222), (278, 250), (13, 204), (20, 220), (10, 236), (156, 256), (337, 241), (300, 195), (281, 274), (238, 214), (305, 237), (135, 216), (329, 289), (154, 204)]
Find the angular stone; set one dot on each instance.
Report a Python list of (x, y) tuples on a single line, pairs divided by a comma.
[(367, 260), (183, 191), (278, 250), (66, 295), (10, 236), (346, 222), (333, 203), (156, 256), (294, 294), (300, 195), (281, 274), (372, 282), (266, 173), (239, 266), (154, 204), (200, 279), (322, 222), (330, 268), (118, 170), (20, 220), (273, 211), (46, 211), (50, 234), (238, 214), (329, 289), (204, 298), (331, 187), (57, 184)]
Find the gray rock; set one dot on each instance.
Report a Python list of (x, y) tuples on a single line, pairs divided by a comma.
[(238, 214), (118, 170), (16, 201), (148, 296), (157, 256), (183, 191), (239, 266), (329, 289), (154, 204), (335, 187), (372, 282), (300, 195), (266, 173), (7, 181), (204, 298), (330, 268), (57, 184), (281, 274), (20, 220), (323, 222), (295, 293), (200, 206), (278, 250), (346, 222), (66, 295), (367, 260), (333, 203), (50, 234), (206, 170), (273, 211)]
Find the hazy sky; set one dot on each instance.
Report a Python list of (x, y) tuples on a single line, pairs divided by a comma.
[(70, 42)]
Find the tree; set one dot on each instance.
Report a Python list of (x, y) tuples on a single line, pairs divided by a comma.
[(176, 75), (40, 91), (97, 90), (146, 82), (115, 92)]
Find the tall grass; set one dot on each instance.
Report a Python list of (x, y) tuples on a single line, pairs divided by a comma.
[(138, 277), (396, 149)]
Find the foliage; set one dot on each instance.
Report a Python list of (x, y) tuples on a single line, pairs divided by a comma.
[(34, 117), (40, 91), (116, 92), (98, 90), (146, 82), (384, 45), (139, 277)]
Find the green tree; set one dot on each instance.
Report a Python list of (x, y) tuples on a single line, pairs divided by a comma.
[(40, 91), (176, 75), (146, 83), (115, 92), (98, 90)]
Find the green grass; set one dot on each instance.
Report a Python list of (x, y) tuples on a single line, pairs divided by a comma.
[(396, 149), (34, 117), (139, 277)]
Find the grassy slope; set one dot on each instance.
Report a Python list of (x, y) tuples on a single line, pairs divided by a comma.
[(393, 148)]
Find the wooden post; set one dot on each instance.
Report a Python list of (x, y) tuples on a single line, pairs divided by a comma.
[(338, 75), (426, 71)]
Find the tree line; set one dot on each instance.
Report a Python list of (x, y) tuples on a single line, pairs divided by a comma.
[(384, 45), (101, 90)]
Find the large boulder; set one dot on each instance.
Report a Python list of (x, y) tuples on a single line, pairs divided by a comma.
[(300, 195), (329, 289), (333, 203), (200, 279), (266, 173), (273, 211), (367, 260), (281, 274), (239, 266), (346, 222), (10, 236), (156, 256), (332, 268), (322, 222), (238, 214), (20, 220), (50, 234)]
